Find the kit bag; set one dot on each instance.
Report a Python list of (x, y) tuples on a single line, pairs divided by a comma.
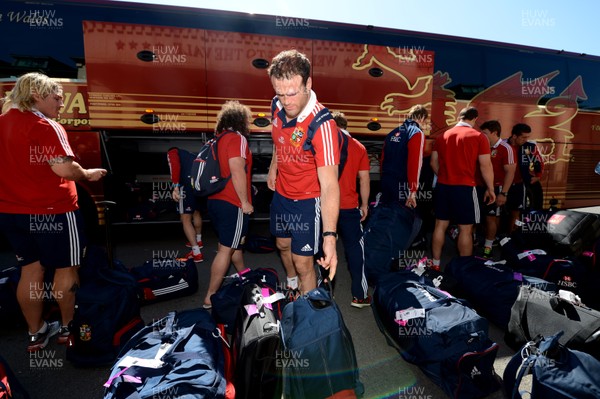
[(441, 334), (491, 287), (178, 356), (107, 312), (256, 345), (538, 312), (318, 356), (558, 372), (228, 298), (390, 231), (163, 279), (573, 232)]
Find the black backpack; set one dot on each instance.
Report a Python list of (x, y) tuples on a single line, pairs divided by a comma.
[(321, 117), (206, 178)]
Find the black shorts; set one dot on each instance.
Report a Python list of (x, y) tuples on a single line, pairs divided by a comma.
[(56, 240), (458, 204), (230, 223), (492, 209), (516, 197), (188, 202)]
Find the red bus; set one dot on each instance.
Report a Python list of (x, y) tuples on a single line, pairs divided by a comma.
[(144, 78)]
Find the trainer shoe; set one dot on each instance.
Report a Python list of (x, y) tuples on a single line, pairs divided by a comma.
[(361, 303), (63, 335), (487, 252), (38, 341), (200, 244), (197, 258)]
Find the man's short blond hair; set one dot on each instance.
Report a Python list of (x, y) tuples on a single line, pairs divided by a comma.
[(28, 85)]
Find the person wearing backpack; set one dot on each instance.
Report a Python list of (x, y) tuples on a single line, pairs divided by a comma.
[(305, 180), (39, 213), (351, 215), (230, 209), (188, 205)]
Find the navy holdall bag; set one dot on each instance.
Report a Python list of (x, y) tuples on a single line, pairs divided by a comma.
[(390, 231), (178, 356), (439, 333), (491, 287), (558, 372)]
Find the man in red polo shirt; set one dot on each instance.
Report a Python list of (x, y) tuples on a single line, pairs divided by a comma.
[(454, 159), (504, 164), (305, 182), (38, 202)]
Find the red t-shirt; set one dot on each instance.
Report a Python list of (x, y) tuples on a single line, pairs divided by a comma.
[(501, 154), (234, 145), (28, 140), (297, 169), (458, 152), (357, 160)]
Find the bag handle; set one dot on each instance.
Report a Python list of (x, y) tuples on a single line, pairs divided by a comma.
[(511, 379)]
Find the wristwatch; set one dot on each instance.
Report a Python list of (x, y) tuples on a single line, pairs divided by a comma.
[(330, 233), (503, 193)]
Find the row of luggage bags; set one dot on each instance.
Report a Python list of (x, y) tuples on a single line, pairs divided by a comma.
[(546, 303), (257, 343)]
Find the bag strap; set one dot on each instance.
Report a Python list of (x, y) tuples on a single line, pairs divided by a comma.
[(321, 117), (519, 307), (512, 379)]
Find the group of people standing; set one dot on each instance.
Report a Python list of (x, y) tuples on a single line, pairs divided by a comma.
[(313, 200)]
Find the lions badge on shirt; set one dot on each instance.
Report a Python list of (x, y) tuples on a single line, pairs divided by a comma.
[(296, 138)]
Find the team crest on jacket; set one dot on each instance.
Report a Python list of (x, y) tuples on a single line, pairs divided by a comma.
[(297, 136), (494, 152)]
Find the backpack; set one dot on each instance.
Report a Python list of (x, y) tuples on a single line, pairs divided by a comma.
[(321, 117), (107, 312), (205, 175)]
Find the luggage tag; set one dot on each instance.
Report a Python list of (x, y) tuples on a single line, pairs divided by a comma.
[(531, 254), (266, 300), (570, 297), (492, 263), (403, 316)]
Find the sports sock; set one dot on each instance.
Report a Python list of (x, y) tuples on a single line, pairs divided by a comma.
[(292, 282)]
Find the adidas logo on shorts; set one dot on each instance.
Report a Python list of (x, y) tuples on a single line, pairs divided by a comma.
[(306, 248)]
